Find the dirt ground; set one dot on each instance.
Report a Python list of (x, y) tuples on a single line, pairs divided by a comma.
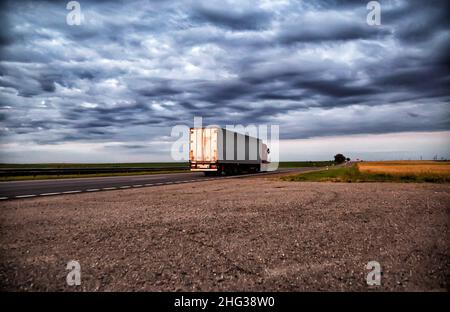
[(252, 234)]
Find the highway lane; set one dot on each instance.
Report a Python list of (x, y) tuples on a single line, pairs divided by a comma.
[(53, 187)]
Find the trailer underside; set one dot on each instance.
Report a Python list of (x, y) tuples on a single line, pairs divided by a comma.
[(225, 168)]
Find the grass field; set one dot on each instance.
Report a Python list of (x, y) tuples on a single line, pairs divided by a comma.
[(283, 164), (399, 171), (98, 165), (406, 167), (301, 164), (42, 176), (94, 175), (289, 164)]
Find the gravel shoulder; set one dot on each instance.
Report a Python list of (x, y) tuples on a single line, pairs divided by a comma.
[(250, 234)]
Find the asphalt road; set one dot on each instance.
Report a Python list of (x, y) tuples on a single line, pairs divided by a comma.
[(53, 187)]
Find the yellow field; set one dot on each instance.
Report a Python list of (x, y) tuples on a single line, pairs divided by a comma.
[(406, 167)]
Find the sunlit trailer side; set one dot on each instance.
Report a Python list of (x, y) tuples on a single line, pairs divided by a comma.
[(220, 151)]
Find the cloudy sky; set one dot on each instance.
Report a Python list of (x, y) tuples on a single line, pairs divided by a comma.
[(111, 88)]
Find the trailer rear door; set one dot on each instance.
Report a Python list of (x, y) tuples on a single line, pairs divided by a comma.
[(203, 145)]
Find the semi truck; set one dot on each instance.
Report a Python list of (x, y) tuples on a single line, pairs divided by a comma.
[(218, 151)]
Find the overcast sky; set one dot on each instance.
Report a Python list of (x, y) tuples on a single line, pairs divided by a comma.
[(111, 88)]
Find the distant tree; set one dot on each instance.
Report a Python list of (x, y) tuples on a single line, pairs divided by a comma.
[(339, 158), (348, 159)]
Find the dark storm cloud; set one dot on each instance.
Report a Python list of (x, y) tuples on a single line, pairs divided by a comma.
[(230, 16), (139, 64), (419, 20), (324, 27)]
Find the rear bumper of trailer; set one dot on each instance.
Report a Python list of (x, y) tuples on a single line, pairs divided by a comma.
[(196, 166), (202, 170)]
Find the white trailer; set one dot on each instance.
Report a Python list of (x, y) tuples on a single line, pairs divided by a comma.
[(215, 150)]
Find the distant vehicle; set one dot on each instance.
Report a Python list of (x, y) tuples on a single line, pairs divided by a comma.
[(215, 151)]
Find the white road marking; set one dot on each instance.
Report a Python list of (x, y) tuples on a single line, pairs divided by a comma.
[(125, 187), (159, 183), (3, 198), (25, 196), (49, 194), (137, 185), (92, 190), (72, 192), (109, 188)]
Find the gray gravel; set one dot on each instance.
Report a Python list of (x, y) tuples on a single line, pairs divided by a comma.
[(253, 234)]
